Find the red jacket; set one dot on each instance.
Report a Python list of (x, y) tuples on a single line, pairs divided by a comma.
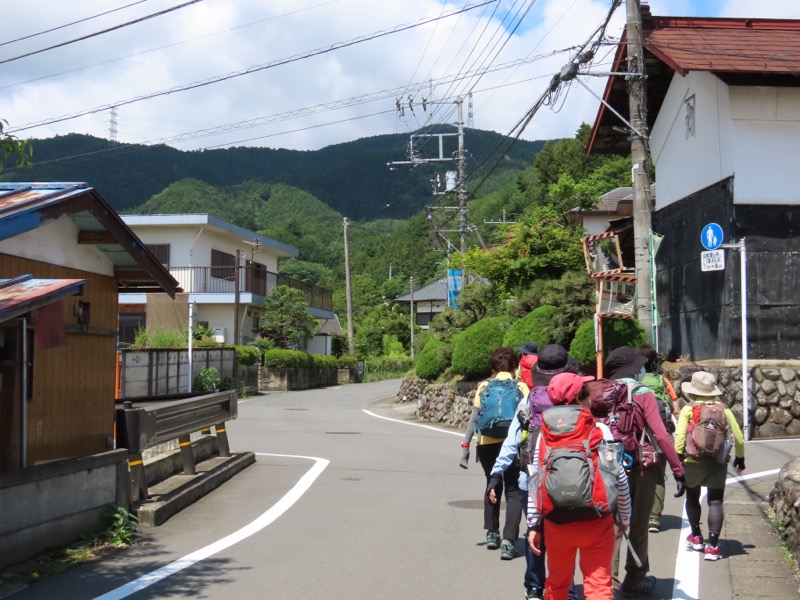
[(525, 365)]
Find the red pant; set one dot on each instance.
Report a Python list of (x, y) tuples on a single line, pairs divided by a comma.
[(595, 540)]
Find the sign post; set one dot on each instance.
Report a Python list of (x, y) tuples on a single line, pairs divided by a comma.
[(740, 246)]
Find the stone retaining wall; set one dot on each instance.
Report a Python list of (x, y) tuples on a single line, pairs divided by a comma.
[(785, 502)]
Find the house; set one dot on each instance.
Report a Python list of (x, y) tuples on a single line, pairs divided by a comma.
[(612, 205), (723, 111), (65, 256), (429, 300), (226, 271)]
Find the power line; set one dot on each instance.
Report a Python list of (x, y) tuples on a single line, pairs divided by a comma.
[(51, 30), (254, 69), (91, 35)]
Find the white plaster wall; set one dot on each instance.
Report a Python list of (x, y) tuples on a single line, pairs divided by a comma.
[(56, 242), (766, 144), (685, 162), (594, 224), (217, 315)]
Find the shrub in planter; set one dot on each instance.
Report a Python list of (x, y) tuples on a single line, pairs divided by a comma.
[(473, 347), (616, 333), (540, 326), (346, 362), (324, 362), (433, 359), (278, 358), (247, 355)]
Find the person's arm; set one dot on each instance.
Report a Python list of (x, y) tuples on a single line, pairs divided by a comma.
[(738, 436), (532, 514), (473, 418), (676, 405), (508, 454), (652, 417), (624, 497), (680, 431)]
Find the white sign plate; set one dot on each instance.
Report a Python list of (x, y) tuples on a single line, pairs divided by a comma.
[(712, 260)]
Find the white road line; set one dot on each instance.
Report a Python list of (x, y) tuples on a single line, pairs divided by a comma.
[(687, 562), (266, 518), (372, 414)]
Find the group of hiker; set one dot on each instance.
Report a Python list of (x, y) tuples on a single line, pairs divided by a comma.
[(585, 460)]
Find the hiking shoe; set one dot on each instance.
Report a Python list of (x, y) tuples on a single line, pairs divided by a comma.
[(695, 542), (641, 588), (507, 550), (534, 593), (712, 552), (493, 540), (655, 527)]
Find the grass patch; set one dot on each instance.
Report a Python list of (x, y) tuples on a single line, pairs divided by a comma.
[(778, 527)]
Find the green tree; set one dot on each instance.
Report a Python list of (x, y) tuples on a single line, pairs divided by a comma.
[(11, 146), (286, 320)]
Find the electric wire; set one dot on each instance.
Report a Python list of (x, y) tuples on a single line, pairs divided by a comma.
[(104, 31), (250, 70)]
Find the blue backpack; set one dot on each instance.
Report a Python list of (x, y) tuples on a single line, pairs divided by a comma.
[(499, 401)]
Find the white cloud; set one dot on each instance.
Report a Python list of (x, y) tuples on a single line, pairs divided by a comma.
[(215, 38)]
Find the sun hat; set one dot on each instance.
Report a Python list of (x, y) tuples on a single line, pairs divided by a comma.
[(553, 359), (703, 383), (528, 348), (564, 388), (623, 362)]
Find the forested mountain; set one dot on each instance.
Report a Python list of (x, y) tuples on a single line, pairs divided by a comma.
[(352, 178)]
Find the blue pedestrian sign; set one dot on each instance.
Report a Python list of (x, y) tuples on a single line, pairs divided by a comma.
[(711, 236)]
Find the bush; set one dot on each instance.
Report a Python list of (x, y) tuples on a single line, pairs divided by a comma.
[(616, 333), (322, 361), (247, 355), (378, 369), (472, 348), (279, 358), (540, 326), (433, 360), (346, 362), (263, 344), (208, 380), (166, 338)]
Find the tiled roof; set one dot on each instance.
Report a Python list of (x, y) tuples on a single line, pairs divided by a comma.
[(739, 51)]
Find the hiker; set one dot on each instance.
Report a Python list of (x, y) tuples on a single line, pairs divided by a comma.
[(664, 392), (554, 360), (530, 355), (706, 457), (588, 529), (503, 393), (625, 365)]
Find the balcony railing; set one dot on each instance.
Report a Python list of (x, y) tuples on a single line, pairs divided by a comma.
[(222, 280)]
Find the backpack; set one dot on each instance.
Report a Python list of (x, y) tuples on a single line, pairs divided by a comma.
[(613, 402), (525, 365), (655, 383), (708, 436), (578, 470), (499, 401), (530, 420)]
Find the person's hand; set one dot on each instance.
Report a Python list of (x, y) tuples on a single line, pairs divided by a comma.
[(494, 485), (464, 458), (738, 464), (535, 542), (681, 482)]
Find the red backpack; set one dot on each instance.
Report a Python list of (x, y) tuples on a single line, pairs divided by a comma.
[(708, 435), (577, 477)]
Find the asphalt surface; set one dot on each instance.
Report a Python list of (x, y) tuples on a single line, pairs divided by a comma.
[(352, 498)]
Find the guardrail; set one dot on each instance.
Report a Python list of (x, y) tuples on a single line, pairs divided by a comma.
[(140, 427)]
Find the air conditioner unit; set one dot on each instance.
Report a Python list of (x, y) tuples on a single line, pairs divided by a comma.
[(219, 334)]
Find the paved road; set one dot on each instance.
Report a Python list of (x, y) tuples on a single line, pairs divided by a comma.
[(351, 499)]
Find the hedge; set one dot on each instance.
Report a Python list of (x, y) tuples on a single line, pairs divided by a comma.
[(472, 348)]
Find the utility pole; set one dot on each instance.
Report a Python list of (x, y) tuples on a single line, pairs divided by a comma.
[(411, 287), (236, 297), (462, 189), (642, 209), (349, 293)]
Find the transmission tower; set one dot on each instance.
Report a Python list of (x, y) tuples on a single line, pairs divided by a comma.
[(112, 126)]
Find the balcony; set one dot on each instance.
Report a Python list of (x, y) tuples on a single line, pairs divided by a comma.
[(254, 280)]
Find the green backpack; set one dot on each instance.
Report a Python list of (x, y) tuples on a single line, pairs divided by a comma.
[(655, 383)]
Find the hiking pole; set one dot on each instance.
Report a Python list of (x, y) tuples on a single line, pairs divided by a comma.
[(636, 558)]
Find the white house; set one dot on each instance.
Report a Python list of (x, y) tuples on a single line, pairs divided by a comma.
[(723, 102), (429, 301), (226, 271)]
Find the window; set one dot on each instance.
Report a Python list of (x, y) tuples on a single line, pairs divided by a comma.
[(129, 323), (161, 252), (222, 265)]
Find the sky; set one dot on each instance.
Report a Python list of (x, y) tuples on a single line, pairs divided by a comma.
[(305, 74)]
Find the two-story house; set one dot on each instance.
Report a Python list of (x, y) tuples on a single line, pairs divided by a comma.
[(723, 108), (226, 271)]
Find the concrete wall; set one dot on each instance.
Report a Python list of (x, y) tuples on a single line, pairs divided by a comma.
[(51, 505), (295, 379), (154, 372)]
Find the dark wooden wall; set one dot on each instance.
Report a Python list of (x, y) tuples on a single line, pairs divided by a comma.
[(71, 412), (701, 311)]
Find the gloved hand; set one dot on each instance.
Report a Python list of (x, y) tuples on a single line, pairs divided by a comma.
[(464, 458), (681, 482), (738, 464), (682, 457)]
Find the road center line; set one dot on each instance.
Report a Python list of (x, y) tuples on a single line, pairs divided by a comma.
[(372, 414), (266, 518)]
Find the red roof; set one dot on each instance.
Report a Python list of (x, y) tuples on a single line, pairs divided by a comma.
[(739, 51)]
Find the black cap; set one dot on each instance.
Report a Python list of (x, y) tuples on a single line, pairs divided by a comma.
[(553, 359), (528, 348), (623, 362)]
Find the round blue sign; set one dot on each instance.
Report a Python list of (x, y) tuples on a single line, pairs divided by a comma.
[(711, 236)]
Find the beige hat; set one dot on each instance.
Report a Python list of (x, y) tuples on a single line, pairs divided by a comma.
[(702, 384)]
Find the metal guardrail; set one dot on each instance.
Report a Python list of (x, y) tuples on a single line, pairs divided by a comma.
[(140, 427)]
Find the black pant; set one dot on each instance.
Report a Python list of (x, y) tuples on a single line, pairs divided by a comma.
[(487, 454)]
